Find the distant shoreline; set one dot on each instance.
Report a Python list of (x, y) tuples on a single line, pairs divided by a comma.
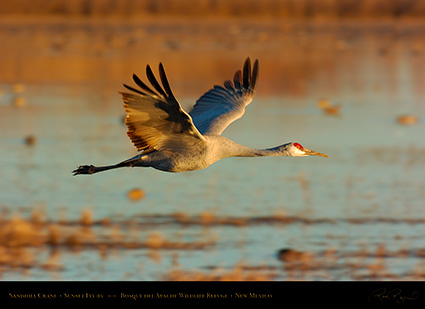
[(312, 9)]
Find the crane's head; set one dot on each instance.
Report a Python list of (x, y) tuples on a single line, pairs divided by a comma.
[(296, 150)]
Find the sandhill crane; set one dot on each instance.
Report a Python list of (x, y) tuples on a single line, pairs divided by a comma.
[(172, 140)]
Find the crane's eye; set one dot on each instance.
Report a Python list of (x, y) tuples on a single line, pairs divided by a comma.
[(298, 146)]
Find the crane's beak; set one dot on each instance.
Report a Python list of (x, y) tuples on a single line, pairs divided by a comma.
[(309, 152)]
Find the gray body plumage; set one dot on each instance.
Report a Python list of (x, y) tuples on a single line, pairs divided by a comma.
[(172, 140), (216, 148)]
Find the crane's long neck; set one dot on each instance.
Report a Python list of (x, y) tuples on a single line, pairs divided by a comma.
[(232, 149), (268, 152)]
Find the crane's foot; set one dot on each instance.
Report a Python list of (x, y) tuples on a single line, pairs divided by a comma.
[(84, 170)]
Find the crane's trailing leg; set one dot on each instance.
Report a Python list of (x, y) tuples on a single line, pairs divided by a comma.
[(91, 169), (84, 170)]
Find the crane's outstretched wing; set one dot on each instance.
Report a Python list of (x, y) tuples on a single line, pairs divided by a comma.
[(220, 106), (155, 119)]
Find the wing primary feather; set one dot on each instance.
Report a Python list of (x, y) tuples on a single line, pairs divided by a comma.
[(153, 81), (237, 79), (247, 73), (215, 96), (221, 90), (133, 89), (229, 85), (165, 83), (142, 85), (254, 76)]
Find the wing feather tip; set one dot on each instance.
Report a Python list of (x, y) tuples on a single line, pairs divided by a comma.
[(247, 73), (237, 78), (165, 82), (154, 81), (254, 77)]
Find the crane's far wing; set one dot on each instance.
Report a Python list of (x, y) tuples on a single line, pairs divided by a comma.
[(155, 119), (220, 106)]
